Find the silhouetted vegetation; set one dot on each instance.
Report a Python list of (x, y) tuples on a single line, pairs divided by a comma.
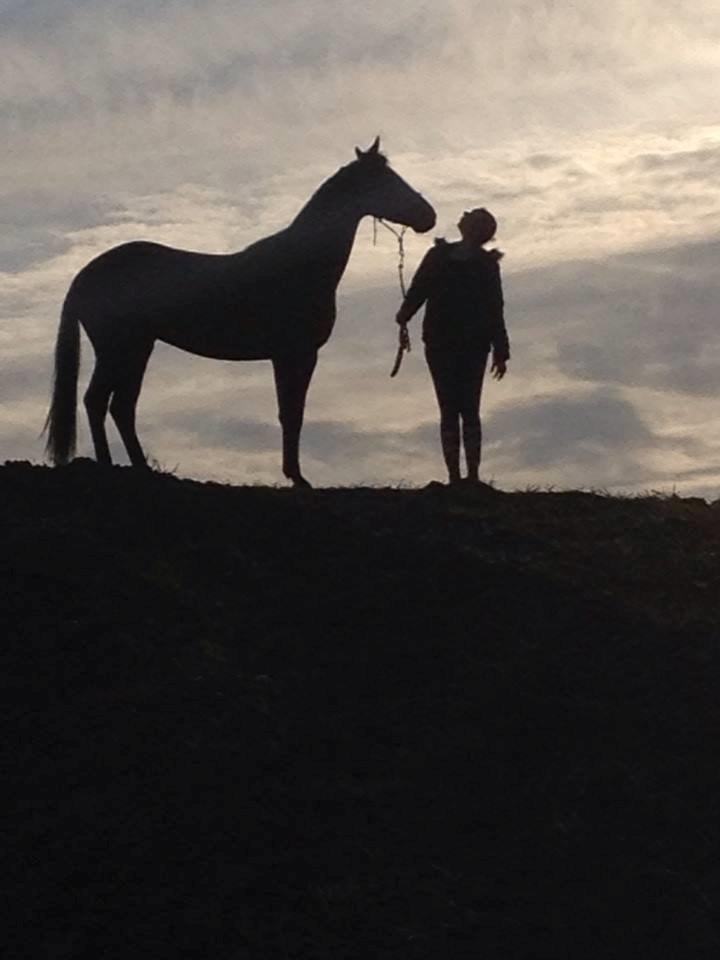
[(358, 723)]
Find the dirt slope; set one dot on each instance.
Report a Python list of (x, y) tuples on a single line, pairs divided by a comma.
[(248, 722)]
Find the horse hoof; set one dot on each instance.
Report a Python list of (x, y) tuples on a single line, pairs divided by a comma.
[(300, 483)]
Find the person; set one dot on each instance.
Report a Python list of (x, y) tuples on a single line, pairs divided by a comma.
[(464, 320)]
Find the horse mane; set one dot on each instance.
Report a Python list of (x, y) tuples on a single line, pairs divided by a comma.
[(346, 177)]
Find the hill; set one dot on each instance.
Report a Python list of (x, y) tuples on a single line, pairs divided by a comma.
[(251, 722)]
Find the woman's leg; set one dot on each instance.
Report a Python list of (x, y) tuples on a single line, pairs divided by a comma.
[(442, 369), (471, 383)]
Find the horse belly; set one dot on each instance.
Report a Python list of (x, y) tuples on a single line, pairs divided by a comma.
[(257, 336), (230, 340)]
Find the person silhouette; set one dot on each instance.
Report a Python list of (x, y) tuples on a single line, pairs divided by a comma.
[(464, 320)]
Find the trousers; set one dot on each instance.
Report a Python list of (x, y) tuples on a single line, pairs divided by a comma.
[(457, 376)]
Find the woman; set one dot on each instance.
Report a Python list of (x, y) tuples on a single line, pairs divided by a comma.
[(460, 282)]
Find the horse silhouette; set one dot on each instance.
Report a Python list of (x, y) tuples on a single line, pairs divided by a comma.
[(274, 300)]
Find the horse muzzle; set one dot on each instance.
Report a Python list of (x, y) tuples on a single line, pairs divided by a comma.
[(426, 219)]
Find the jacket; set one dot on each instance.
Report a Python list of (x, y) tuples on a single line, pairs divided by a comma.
[(464, 301)]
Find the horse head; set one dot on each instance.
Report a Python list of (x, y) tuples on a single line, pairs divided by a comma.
[(385, 195)]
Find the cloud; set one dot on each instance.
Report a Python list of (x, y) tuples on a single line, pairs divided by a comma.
[(107, 101), (581, 405), (324, 440), (581, 428), (25, 379), (597, 438), (237, 74), (596, 434), (22, 250), (648, 319), (679, 164), (589, 130)]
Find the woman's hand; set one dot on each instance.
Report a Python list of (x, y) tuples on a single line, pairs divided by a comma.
[(498, 368)]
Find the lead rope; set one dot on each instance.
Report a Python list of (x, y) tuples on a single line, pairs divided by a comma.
[(403, 335)]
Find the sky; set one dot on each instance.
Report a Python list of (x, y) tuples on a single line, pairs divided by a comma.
[(590, 130)]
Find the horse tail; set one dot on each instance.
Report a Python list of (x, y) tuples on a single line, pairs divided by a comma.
[(61, 422)]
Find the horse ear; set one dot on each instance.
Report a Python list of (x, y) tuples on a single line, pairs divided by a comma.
[(372, 150)]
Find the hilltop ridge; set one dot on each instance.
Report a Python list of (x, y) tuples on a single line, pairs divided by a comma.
[(358, 722)]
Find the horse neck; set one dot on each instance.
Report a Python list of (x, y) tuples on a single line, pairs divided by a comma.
[(327, 231)]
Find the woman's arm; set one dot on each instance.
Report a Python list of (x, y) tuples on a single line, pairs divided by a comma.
[(496, 308), (420, 286)]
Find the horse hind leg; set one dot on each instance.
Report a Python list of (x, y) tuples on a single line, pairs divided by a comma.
[(124, 403), (97, 397)]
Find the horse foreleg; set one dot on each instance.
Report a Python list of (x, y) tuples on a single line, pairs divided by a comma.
[(292, 379)]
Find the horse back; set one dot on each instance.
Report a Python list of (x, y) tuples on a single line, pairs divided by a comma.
[(246, 305)]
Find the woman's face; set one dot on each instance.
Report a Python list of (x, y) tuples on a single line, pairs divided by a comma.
[(463, 223), (475, 225)]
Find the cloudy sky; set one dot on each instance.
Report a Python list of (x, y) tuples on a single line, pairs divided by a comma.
[(590, 129)]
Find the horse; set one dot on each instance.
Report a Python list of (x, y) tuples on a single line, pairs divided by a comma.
[(273, 300)]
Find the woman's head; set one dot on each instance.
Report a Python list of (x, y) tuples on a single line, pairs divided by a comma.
[(478, 225)]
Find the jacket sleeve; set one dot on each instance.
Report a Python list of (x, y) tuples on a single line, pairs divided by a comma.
[(499, 339), (420, 286)]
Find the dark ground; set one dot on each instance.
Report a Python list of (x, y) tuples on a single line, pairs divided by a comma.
[(249, 722)]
